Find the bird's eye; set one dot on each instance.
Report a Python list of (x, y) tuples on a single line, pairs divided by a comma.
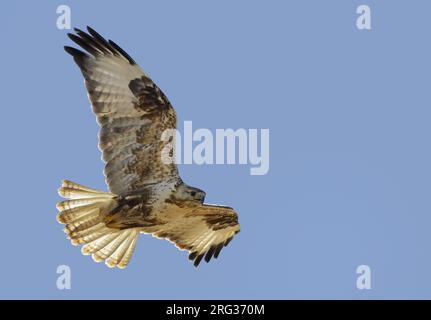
[(193, 193)]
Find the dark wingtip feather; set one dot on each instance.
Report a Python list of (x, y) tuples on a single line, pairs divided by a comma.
[(228, 241), (111, 45), (101, 40), (198, 260), (92, 41), (218, 249), (94, 33), (95, 44), (209, 254), (83, 43), (192, 255), (75, 52), (122, 52)]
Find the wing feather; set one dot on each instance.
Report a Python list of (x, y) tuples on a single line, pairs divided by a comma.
[(202, 230), (131, 110)]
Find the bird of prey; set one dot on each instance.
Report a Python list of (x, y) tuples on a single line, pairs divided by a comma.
[(146, 195)]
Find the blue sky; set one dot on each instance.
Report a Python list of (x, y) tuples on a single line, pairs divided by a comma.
[(348, 113)]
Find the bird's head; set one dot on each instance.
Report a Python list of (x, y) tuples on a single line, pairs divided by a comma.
[(185, 192)]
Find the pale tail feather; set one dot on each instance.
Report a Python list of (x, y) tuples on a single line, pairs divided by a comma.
[(84, 216)]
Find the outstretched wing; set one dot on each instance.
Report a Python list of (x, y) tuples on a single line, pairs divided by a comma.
[(202, 230), (131, 110)]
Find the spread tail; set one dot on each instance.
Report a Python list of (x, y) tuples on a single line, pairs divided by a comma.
[(84, 216)]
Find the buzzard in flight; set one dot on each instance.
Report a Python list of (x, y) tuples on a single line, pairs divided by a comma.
[(146, 194)]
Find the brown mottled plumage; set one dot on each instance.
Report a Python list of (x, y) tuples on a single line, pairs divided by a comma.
[(146, 195)]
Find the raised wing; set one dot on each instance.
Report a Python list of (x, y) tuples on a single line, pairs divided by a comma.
[(131, 110), (202, 230)]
